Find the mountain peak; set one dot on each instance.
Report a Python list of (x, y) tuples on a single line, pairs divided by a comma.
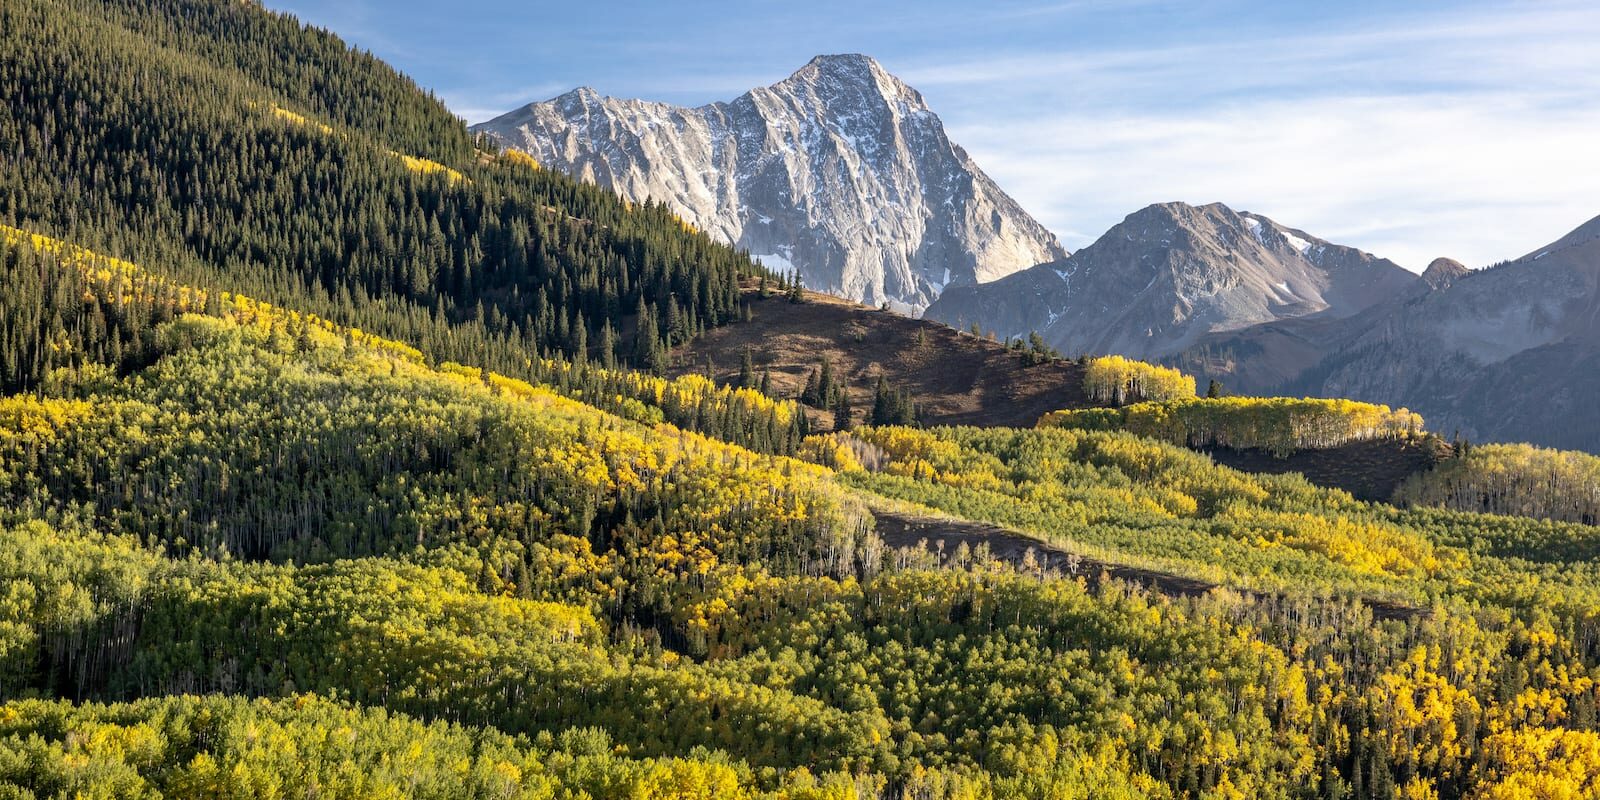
[(848, 63), (840, 172), (1174, 214), (1189, 214), (851, 77), (581, 96), (1171, 273), (1443, 271)]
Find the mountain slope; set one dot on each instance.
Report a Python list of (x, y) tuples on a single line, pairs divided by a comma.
[(319, 563), (1171, 273), (1510, 353), (235, 149), (840, 170), (955, 379)]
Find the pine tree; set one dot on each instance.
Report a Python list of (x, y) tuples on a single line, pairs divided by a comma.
[(580, 341), (841, 411), (825, 387), (882, 403), (797, 291), (811, 394), (747, 370), (892, 407), (608, 346)]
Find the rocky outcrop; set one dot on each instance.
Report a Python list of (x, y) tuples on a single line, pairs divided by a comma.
[(1442, 272), (841, 172)]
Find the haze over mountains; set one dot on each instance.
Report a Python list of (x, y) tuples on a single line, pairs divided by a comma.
[(1510, 353), (1170, 274), (840, 171)]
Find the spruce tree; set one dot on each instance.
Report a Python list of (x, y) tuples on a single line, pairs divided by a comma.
[(747, 370), (810, 395)]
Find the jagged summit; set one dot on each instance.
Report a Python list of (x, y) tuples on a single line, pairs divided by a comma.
[(586, 94), (844, 66), (842, 61), (839, 171), (1171, 273)]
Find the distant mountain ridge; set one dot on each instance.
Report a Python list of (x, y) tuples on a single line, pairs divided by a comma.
[(840, 171), (1510, 353), (1170, 274)]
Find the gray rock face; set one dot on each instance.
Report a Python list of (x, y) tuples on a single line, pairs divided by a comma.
[(840, 171), (1442, 272), (1169, 275), (1509, 353)]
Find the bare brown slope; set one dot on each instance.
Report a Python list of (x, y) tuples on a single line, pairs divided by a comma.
[(1369, 470), (960, 379), (957, 379)]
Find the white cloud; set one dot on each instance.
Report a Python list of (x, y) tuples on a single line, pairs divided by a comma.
[(1472, 137), (1478, 178), (1410, 130)]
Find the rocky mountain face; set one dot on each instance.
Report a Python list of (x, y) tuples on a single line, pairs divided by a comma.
[(1510, 353), (840, 171), (1442, 272), (1171, 274)]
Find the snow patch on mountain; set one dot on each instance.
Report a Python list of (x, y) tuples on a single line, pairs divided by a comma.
[(1172, 273), (841, 172)]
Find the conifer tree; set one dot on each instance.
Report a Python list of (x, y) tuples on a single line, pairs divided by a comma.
[(841, 411), (797, 291), (747, 370), (811, 395)]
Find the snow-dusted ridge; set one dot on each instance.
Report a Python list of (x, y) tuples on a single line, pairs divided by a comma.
[(1170, 274), (841, 171)]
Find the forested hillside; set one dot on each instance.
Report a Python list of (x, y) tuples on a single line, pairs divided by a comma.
[(515, 561), (306, 492), (242, 152)]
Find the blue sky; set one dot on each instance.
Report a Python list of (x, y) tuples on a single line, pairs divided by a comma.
[(1412, 130)]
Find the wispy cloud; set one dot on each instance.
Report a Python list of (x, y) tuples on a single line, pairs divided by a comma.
[(1410, 177), (1470, 136), (1460, 127)]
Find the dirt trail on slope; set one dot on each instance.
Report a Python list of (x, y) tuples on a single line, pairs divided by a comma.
[(903, 530)]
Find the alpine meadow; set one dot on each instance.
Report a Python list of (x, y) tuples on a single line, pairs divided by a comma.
[(350, 452)]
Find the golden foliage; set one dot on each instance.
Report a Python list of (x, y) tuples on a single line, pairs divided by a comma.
[(513, 156), (1280, 425), (421, 166), (121, 282), (1541, 764), (1518, 479), (1114, 379)]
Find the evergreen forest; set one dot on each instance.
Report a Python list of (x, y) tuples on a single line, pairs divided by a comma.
[(337, 460)]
